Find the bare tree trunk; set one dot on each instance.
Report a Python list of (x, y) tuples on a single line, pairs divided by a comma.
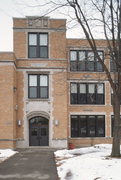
[(116, 129)]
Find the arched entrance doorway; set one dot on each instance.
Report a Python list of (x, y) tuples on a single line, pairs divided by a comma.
[(38, 131)]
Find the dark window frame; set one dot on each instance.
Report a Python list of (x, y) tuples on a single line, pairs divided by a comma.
[(76, 129), (38, 86), (38, 46), (75, 64), (86, 97)]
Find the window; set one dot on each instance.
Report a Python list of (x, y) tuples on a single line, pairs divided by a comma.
[(38, 45), (87, 126), (38, 86), (83, 93), (85, 61)]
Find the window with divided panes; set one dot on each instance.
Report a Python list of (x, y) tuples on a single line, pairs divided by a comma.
[(88, 126), (87, 93), (38, 45), (38, 86), (85, 60)]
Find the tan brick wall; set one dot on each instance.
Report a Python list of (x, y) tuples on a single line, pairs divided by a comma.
[(20, 44), (7, 56), (83, 43), (57, 23), (58, 45), (20, 103), (42, 64), (60, 104), (7, 144), (7, 105), (83, 142), (19, 23)]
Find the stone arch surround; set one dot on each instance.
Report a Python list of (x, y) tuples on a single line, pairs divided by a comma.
[(38, 113)]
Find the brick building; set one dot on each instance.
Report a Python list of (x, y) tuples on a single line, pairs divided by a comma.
[(53, 90)]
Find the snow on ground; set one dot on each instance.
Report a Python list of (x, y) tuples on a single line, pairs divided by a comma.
[(6, 153), (90, 163)]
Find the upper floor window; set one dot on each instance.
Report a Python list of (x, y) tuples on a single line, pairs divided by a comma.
[(38, 86), (85, 61), (38, 45), (83, 93)]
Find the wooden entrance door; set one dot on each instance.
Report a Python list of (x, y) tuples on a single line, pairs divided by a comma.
[(38, 131)]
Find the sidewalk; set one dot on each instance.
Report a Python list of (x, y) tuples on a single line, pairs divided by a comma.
[(30, 164)]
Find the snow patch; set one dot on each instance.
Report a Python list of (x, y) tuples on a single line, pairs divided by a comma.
[(88, 164), (6, 153)]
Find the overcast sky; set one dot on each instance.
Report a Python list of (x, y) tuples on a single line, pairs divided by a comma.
[(19, 8), (22, 8)]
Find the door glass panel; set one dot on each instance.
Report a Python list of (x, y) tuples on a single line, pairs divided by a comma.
[(34, 132), (43, 132)]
